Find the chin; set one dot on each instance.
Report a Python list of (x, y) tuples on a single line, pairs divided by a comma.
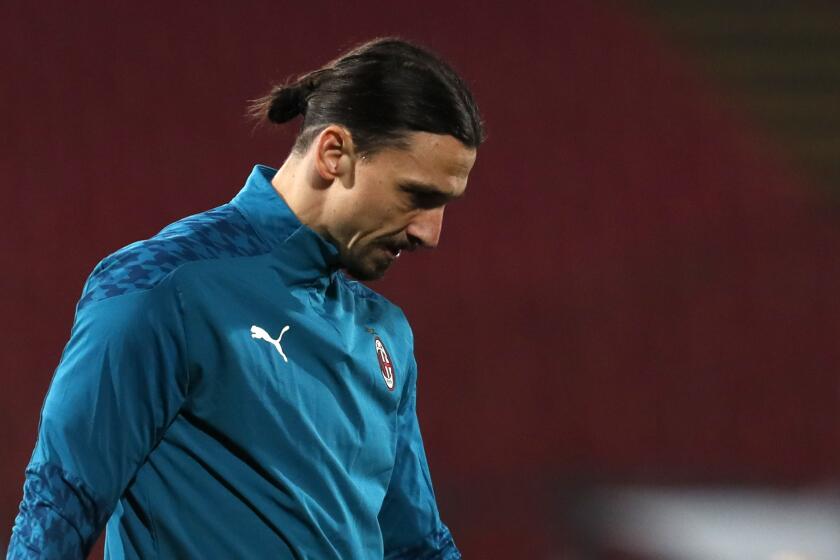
[(365, 275), (365, 271)]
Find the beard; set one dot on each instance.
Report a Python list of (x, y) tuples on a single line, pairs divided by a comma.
[(371, 263)]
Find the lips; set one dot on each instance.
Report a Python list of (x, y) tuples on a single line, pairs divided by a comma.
[(393, 252), (394, 249), (395, 246)]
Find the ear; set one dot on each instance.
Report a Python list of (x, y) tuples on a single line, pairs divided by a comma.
[(334, 153)]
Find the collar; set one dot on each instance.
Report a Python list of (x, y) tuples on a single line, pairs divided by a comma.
[(310, 257)]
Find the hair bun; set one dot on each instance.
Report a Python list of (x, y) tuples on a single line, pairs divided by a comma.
[(287, 102)]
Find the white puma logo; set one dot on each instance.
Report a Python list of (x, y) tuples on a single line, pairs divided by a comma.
[(258, 332)]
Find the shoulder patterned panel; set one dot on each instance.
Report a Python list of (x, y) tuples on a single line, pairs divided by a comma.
[(217, 233)]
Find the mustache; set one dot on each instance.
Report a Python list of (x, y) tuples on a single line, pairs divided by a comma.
[(399, 244)]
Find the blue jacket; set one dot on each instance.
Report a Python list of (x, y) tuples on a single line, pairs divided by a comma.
[(227, 392)]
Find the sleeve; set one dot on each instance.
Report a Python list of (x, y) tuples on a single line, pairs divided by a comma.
[(409, 518), (121, 380)]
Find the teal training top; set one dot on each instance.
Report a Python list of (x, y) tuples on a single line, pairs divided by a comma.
[(227, 392)]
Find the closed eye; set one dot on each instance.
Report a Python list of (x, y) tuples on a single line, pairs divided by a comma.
[(426, 197), (427, 201)]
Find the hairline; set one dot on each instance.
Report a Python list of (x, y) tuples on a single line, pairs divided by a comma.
[(396, 139)]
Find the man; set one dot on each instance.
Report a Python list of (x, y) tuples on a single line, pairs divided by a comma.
[(227, 392)]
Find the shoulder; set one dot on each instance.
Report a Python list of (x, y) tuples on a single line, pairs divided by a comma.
[(218, 233)]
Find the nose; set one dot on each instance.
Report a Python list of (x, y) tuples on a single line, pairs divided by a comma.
[(424, 229)]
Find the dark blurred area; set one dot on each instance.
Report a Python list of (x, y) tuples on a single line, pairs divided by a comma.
[(627, 339)]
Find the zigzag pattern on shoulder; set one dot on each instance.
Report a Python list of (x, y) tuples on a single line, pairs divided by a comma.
[(217, 233)]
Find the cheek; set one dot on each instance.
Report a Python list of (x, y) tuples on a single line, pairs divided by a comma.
[(348, 216), (370, 210), (377, 216)]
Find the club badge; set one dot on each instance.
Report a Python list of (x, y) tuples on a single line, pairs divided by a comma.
[(386, 366)]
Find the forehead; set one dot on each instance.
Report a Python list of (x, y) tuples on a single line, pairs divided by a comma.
[(437, 159)]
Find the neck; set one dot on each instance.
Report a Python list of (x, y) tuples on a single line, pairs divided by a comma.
[(303, 193)]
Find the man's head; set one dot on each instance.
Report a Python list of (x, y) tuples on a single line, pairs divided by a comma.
[(389, 136)]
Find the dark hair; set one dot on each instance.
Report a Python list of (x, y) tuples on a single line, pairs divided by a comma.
[(380, 90)]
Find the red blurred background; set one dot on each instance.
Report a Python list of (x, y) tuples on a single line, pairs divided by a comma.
[(641, 284)]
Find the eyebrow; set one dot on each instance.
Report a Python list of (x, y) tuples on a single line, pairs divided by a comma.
[(426, 188)]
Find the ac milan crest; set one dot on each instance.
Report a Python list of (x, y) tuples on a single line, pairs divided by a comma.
[(385, 363)]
